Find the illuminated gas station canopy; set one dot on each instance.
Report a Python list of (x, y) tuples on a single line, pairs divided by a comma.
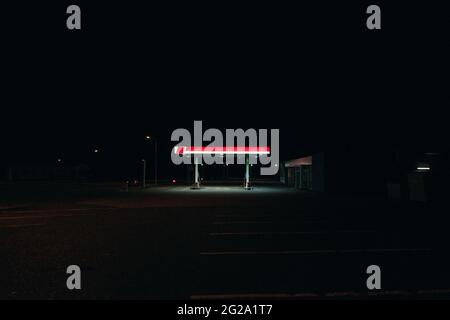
[(185, 150), (210, 150)]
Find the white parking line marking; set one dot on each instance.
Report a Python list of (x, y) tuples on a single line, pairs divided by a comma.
[(244, 215), (385, 250), (434, 291), (315, 295), (342, 294), (241, 296), (389, 292), (251, 233), (267, 222), (219, 234), (242, 222), (356, 231), (46, 216), (23, 225), (227, 253), (58, 210), (294, 252)]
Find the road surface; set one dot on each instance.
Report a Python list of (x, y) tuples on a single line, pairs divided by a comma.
[(222, 242)]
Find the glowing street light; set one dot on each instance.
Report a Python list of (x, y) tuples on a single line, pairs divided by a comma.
[(421, 167)]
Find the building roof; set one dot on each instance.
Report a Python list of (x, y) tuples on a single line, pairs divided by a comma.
[(299, 162)]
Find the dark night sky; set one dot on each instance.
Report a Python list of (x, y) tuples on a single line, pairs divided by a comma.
[(311, 69)]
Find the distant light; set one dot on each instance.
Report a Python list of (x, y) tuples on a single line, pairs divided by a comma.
[(59, 160), (148, 137), (96, 150), (423, 168), (174, 181), (276, 165)]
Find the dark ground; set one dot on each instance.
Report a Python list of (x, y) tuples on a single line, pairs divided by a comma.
[(172, 242)]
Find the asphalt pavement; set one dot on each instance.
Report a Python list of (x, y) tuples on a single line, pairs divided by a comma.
[(172, 242)]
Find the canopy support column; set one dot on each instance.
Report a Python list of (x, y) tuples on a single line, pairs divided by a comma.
[(247, 173), (196, 184)]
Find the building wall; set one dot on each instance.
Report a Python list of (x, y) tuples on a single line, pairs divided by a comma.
[(318, 172)]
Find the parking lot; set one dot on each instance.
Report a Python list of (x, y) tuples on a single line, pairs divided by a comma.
[(172, 242)]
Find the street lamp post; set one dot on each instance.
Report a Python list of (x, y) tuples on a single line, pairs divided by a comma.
[(156, 157), (156, 163), (143, 172)]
